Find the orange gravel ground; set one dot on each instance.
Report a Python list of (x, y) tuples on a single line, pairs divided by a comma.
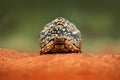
[(16, 65)]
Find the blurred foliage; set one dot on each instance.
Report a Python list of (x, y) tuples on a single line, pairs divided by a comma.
[(22, 20)]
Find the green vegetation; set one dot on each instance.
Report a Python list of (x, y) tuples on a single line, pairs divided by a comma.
[(22, 20)]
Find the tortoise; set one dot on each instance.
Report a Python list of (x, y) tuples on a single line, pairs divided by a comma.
[(60, 36)]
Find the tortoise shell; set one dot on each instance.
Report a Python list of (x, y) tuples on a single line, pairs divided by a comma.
[(60, 36)]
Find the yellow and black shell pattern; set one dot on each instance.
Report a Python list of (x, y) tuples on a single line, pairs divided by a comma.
[(60, 36)]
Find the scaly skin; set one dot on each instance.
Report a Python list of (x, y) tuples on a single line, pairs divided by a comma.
[(60, 36)]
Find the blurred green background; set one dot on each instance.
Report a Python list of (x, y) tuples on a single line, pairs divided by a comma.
[(22, 20)]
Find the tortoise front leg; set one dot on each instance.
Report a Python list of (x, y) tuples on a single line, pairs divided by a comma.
[(71, 47), (47, 48)]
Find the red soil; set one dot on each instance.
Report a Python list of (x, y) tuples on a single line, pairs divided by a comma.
[(22, 66)]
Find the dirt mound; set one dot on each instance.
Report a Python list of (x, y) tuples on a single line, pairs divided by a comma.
[(22, 66)]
